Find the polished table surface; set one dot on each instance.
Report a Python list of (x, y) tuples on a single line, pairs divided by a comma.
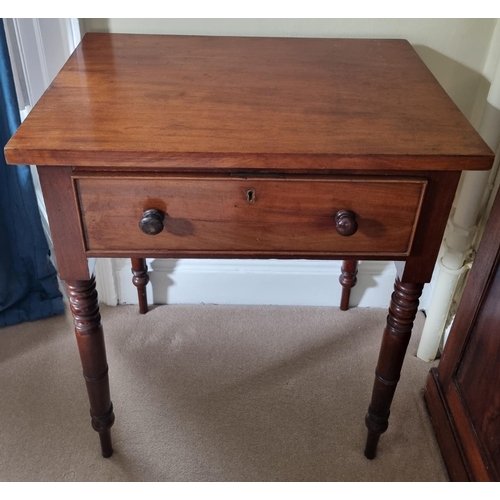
[(191, 146), (223, 102)]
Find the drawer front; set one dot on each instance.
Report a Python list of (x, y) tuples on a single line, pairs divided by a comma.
[(265, 216)]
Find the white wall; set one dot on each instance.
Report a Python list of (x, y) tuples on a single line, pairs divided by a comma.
[(455, 50)]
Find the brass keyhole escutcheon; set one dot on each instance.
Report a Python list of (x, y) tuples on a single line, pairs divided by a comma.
[(251, 196)]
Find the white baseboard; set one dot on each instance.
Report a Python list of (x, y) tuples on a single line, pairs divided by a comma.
[(278, 282), (105, 281), (239, 282)]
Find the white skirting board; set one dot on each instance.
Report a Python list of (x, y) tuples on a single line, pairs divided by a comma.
[(277, 282)]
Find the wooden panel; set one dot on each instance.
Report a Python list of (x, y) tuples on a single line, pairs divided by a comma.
[(479, 283), (225, 102), (438, 201), (468, 372), (480, 362), (444, 427), (62, 210), (467, 434), (292, 216)]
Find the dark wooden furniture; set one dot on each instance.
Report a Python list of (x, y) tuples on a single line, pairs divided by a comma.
[(347, 279), (463, 392), (140, 280), (176, 147)]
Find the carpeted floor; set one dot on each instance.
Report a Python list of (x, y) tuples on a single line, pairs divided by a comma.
[(213, 393)]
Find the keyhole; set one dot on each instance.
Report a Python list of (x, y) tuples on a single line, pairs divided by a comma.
[(251, 195)]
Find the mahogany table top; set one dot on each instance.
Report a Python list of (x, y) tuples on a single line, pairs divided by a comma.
[(196, 102)]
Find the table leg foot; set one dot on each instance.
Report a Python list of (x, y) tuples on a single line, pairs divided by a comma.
[(402, 312), (347, 279), (90, 339), (106, 445), (371, 445), (140, 280)]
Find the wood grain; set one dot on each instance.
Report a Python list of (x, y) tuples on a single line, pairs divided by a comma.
[(248, 147), (140, 281), (445, 430), (64, 220), (395, 339), (478, 464), (438, 200), (347, 280), (193, 102), (468, 373), (90, 339), (287, 215), (485, 399)]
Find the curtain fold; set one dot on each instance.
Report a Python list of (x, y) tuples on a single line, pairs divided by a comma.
[(28, 280)]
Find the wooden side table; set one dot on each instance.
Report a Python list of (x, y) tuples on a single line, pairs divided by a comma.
[(178, 147)]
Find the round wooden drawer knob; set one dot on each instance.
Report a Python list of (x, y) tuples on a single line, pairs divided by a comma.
[(151, 222), (345, 222)]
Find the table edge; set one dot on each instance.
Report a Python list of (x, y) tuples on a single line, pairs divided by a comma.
[(110, 160)]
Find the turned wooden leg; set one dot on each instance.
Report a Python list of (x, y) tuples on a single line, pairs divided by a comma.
[(402, 311), (347, 279), (140, 280), (90, 340)]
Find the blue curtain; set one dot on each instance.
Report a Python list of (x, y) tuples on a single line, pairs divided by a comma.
[(28, 282)]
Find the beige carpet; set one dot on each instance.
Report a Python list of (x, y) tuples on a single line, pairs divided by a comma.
[(213, 393)]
